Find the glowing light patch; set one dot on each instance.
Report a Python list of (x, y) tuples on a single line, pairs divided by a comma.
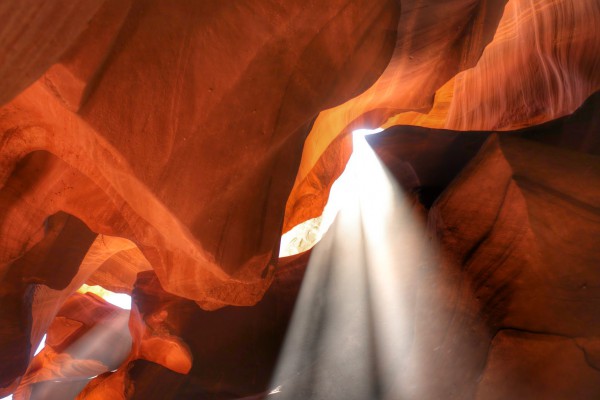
[(300, 238), (304, 236), (120, 300), (366, 132), (276, 390), (41, 346), (353, 326)]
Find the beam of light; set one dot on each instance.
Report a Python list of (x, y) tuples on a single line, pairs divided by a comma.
[(353, 323), (102, 348), (305, 235)]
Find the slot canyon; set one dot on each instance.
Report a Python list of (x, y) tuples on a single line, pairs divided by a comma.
[(300, 199)]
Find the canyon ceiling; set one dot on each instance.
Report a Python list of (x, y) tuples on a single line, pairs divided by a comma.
[(161, 149)]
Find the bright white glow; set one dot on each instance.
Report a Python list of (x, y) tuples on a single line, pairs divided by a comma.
[(305, 235), (9, 397), (300, 238), (41, 346), (366, 132), (352, 331), (344, 189), (120, 300), (276, 390)]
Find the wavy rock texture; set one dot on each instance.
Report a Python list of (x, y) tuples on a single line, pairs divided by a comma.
[(34, 287), (517, 226), (154, 166), (526, 255), (495, 69), (88, 337), (422, 160), (234, 349), (150, 147), (118, 261), (434, 155), (538, 67), (146, 167), (503, 269)]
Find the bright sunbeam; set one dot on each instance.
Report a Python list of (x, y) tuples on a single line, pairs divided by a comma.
[(305, 235), (102, 348), (353, 323)]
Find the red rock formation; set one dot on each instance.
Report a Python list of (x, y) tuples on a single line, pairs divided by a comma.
[(131, 161), (157, 142), (519, 226), (234, 349), (117, 262), (87, 337), (27, 307), (541, 63), (518, 232), (67, 145)]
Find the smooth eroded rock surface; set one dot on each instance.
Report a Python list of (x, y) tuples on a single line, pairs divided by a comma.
[(160, 148)]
